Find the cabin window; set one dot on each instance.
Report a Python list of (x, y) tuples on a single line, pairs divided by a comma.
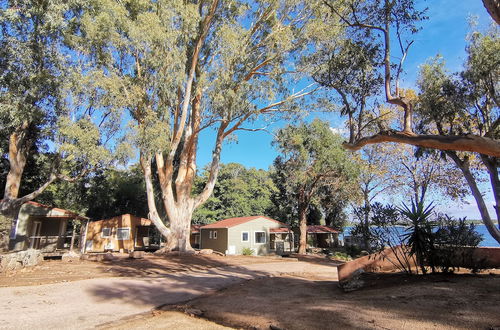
[(106, 232), (244, 236), (214, 235), (260, 237), (123, 234), (210, 234)]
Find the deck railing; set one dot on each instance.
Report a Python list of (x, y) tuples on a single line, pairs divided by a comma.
[(52, 243)]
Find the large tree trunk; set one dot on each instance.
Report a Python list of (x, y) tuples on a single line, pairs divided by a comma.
[(491, 164), (180, 229), (18, 154), (153, 213), (19, 146), (303, 229), (463, 165)]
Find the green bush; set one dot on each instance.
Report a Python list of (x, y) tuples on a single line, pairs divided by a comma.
[(247, 251), (450, 236), (341, 256)]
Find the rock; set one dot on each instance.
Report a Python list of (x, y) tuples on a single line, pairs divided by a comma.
[(354, 282), (21, 259), (206, 251), (273, 327), (136, 254), (70, 255)]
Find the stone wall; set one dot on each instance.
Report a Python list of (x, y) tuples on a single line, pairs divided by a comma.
[(17, 260)]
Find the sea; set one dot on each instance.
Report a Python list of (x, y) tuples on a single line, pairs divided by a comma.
[(487, 241)]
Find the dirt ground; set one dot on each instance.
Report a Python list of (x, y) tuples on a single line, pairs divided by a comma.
[(55, 271), (294, 301), (390, 301)]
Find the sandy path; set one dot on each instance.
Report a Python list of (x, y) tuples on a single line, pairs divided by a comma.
[(88, 303)]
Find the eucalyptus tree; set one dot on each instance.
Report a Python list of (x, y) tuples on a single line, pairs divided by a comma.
[(464, 102), (451, 129), (38, 108), (311, 158), (183, 67), (381, 21)]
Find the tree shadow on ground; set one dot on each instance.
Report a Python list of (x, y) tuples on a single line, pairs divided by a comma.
[(393, 301), (172, 287), (160, 265)]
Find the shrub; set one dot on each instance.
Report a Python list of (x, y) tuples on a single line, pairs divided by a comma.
[(247, 251), (419, 233), (341, 256), (450, 236)]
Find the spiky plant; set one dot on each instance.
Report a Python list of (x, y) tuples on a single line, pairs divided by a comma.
[(419, 233)]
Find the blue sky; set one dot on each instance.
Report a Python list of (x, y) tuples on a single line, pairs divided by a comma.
[(444, 33)]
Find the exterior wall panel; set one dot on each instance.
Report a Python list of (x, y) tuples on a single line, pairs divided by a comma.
[(219, 244)]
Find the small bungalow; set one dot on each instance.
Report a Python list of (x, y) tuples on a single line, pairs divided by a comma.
[(321, 236), (46, 228), (124, 233), (261, 234)]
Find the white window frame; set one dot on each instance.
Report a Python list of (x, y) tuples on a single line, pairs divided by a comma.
[(122, 228), (214, 235), (110, 232), (255, 237), (248, 236)]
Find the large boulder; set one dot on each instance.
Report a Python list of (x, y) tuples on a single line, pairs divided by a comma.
[(21, 259)]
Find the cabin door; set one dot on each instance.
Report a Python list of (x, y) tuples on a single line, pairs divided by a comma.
[(35, 235)]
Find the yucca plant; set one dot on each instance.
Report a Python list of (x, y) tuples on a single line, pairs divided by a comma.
[(419, 233)]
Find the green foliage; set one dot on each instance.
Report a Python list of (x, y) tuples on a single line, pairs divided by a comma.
[(100, 195), (341, 256), (419, 233), (239, 191), (451, 236), (466, 102), (456, 232), (311, 164), (247, 251)]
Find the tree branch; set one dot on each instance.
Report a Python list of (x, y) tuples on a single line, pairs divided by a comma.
[(473, 143)]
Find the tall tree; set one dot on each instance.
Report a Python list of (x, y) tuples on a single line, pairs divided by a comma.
[(184, 67), (467, 101), (383, 20), (311, 158), (450, 129), (36, 99)]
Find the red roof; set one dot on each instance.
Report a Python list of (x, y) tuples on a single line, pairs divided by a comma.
[(195, 229), (231, 222), (320, 230), (66, 212)]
